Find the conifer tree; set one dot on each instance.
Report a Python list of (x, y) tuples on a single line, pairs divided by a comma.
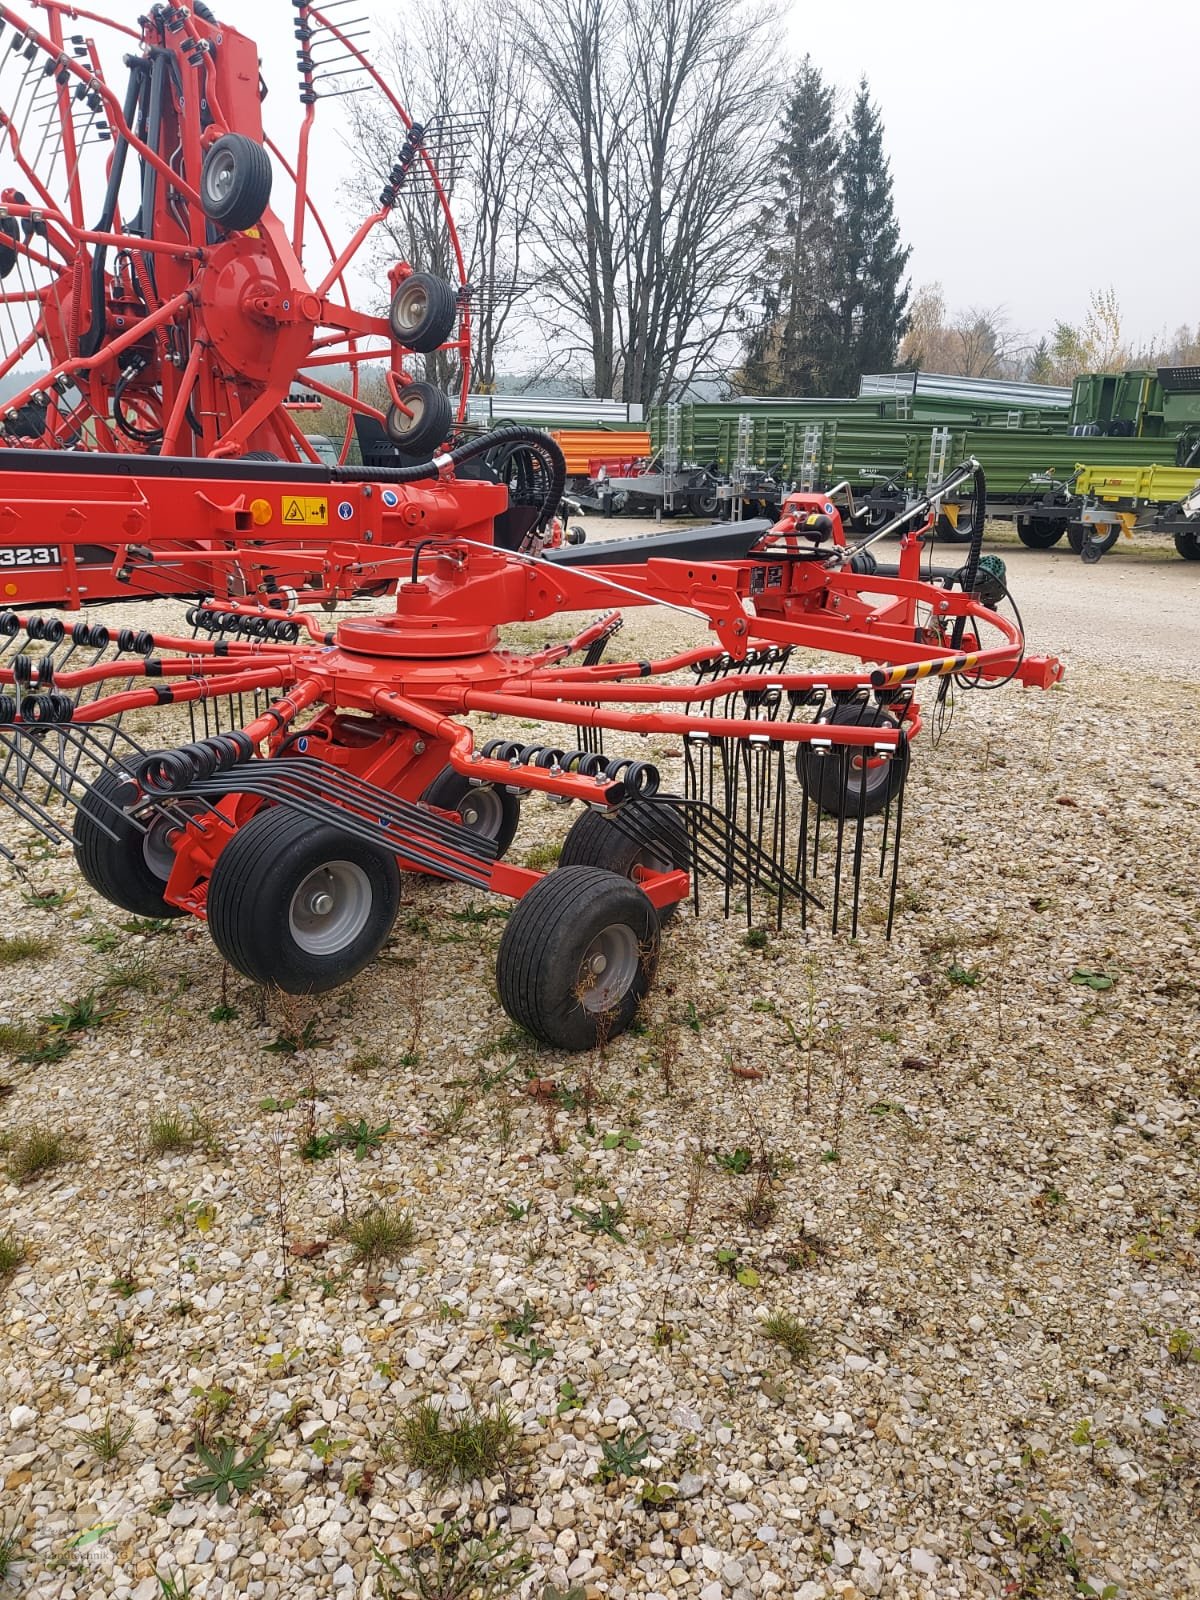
[(869, 261), (787, 348)]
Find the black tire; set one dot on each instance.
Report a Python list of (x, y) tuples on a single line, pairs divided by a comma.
[(235, 182), (1098, 543), (1188, 544), (260, 455), (9, 229), (264, 902), (128, 867), (485, 810), (1076, 534), (544, 968), (430, 422), (703, 502), (1039, 534), (423, 313), (596, 840), (946, 530), (834, 780)]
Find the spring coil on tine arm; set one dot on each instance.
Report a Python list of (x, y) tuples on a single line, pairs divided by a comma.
[(169, 770), (639, 777)]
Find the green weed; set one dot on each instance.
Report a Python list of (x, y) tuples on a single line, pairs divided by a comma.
[(476, 1446)]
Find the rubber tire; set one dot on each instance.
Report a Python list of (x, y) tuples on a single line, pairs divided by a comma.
[(595, 840), (429, 426), (946, 531), (1188, 544), (260, 455), (1094, 547), (437, 323), (543, 946), (820, 774), (448, 791), (703, 503), (117, 868), (242, 204), (10, 228), (1039, 535), (250, 894), (1076, 534)]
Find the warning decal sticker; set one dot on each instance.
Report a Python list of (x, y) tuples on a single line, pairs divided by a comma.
[(311, 511)]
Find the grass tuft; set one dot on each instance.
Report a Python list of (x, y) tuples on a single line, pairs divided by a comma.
[(170, 1131), (381, 1233), (475, 1446), (108, 1440), (12, 1255), (784, 1329), (22, 947), (36, 1151)]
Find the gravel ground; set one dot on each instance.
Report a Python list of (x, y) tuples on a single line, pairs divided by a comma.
[(969, 1193)]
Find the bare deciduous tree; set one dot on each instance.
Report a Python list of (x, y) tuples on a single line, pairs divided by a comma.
[(660, 110), (466, 81)]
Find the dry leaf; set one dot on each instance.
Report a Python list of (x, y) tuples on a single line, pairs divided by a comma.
[(1065, 800), (746, 1072), (306, 1249)]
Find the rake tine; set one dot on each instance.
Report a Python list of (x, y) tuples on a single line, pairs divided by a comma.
[(841, 832), (896, 845), (859, 833)]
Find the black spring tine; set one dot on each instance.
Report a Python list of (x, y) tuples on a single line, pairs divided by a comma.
[(780, 838), (900, 788), (887, 822), (859, 835), (29, 811), (802, 854), (405, 829), (842, 787)]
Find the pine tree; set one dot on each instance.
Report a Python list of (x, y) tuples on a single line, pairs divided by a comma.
[(786, 348), (869, 261)]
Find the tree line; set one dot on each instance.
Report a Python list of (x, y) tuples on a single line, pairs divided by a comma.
[(638, 213), (980, 342), (651, 199)]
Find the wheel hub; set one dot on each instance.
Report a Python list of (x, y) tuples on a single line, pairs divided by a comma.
[(330, 907), (608, 968)]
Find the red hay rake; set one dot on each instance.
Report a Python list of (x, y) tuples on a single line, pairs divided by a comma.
[(325, 759)]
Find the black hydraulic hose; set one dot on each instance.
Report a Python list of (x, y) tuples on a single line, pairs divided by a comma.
[(91, 341), (970, 570), (546, 450)]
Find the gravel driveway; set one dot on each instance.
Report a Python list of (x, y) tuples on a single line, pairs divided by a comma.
[(860, 1269)]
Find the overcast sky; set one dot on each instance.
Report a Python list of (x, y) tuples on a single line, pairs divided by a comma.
[(1040, 148)]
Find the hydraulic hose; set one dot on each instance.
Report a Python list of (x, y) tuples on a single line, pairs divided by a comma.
[(970, 569), (541, 446)]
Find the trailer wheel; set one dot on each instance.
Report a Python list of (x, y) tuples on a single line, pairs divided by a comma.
[(702, 502), (835, 780), (1188, 544), (1039, 535), (577, 956), (960, 534), (299, 905), (1099, 539), (423, 312), (662, 845), (127, 866), (427, 422), (1076, 534), (235, 182), (490, 812)]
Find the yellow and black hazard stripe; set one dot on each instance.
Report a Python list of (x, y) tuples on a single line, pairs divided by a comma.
[(887, 678)]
